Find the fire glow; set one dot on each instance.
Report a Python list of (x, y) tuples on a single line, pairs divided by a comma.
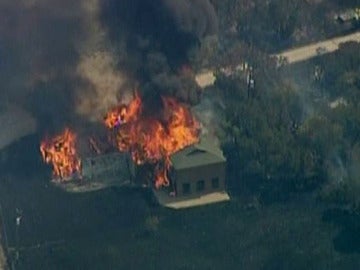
[(60, 152), (153, 140), (147, 138), (123, 113)]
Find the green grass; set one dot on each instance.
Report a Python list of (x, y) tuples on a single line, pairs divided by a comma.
[(214, 237)]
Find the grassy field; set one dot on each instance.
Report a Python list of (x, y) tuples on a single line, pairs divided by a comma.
[(121, 229)]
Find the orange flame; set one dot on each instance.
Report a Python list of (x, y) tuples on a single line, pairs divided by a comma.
[(161, 178), (123, 114), (60, 152), (152, 140)]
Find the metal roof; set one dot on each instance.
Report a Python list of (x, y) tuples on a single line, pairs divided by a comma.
[(203, 153)]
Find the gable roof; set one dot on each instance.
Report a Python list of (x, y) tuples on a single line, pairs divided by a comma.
[(204, 152)]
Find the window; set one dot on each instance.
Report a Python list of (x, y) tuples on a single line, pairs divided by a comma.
[(200, 185), (186, 188), (215, 182)]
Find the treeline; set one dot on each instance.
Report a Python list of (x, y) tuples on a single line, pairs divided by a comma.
[(278, 24), (279, 139), (340, 85)]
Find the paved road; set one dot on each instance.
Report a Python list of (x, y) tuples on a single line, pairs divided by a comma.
[(309, 51), (207, 77)]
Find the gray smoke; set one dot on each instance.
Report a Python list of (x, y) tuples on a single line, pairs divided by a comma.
[(69, 61)]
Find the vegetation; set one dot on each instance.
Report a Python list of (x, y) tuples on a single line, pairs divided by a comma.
[(274, 25), (281, 138), (290, 133)]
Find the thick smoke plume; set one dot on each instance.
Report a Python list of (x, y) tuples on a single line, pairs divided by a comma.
[(38, 47), (105, 84), (156, 37), (69, 61)]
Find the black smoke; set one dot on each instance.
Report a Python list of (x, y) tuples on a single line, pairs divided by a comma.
[(38, 53), (40, 41), (171, 27), (157, 37)]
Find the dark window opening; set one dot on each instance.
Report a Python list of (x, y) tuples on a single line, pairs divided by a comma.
[(186, 188), (215, 182), (92, 162), (200, 185)]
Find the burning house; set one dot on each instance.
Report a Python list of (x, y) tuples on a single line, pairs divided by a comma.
[(152, 139), (144, 55), (134, 137), (197, 177), (84, 165), (191, 169), (103, 166)]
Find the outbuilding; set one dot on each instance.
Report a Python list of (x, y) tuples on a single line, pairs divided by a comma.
[(198, 177)]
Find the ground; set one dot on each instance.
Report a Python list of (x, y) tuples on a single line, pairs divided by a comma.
[(121, 229), (2, 259)]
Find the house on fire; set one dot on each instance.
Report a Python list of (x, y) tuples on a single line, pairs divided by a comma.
[(102, 166), (197, 177), (102, 171)]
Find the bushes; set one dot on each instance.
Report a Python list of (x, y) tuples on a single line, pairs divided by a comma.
[(272, 143)]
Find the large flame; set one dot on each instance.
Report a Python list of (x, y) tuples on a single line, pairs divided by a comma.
[(60, 152), (153, 140), (123, 114)]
